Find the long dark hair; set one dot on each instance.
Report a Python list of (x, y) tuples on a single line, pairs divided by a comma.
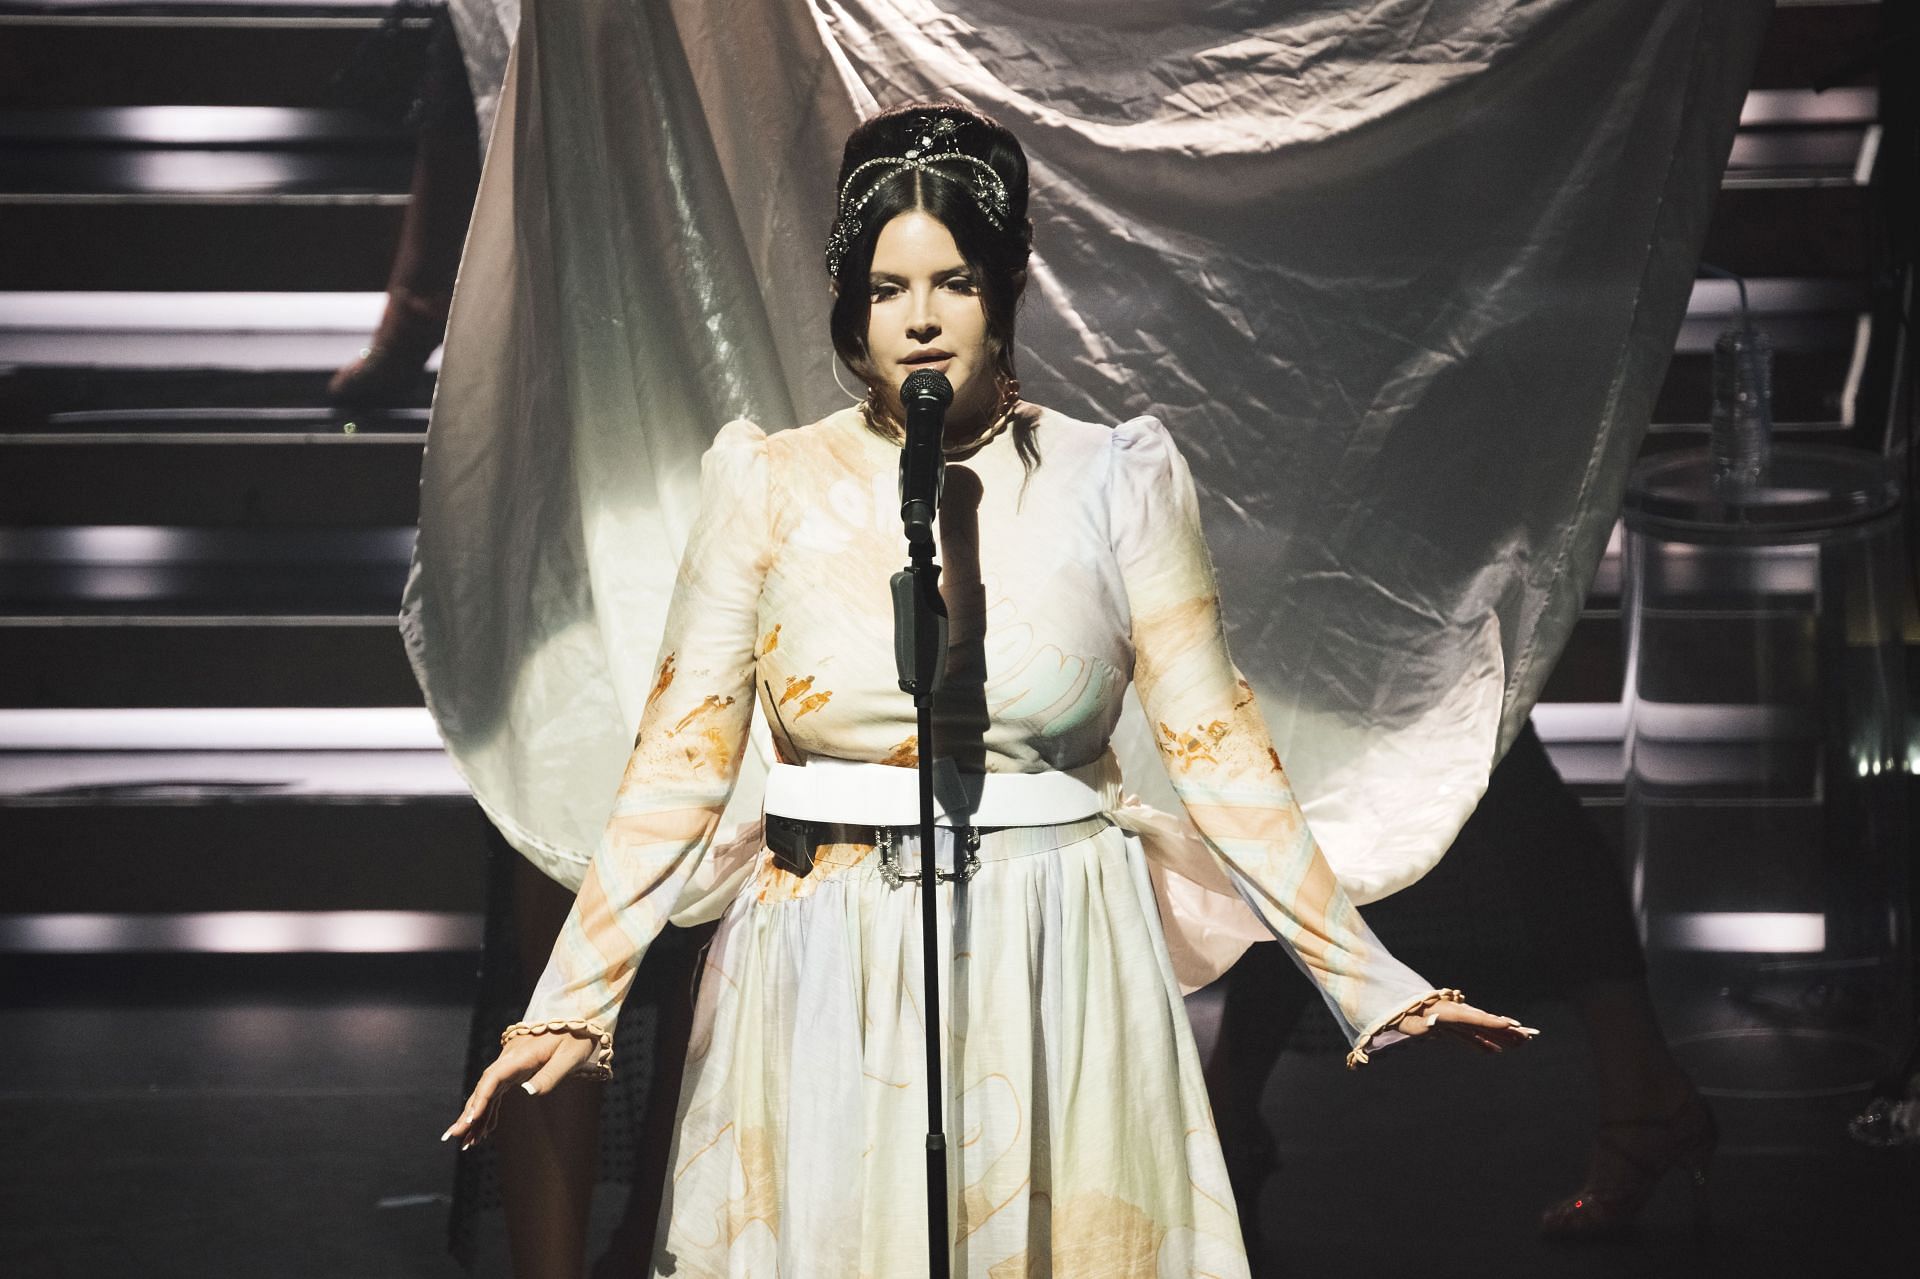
[(997, 254)]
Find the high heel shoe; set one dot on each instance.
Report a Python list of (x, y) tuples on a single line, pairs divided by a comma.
[(1630, 1158), (388, 369)]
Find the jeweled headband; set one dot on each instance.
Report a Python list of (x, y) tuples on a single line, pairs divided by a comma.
[(986, 186)]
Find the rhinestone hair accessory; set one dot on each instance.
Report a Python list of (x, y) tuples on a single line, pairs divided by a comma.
[(986, 186)]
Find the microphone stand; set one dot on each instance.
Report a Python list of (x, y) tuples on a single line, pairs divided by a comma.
[(920, 658)]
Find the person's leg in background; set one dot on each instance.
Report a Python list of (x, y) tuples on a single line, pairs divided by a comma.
[(1265, 997), (549, 1157), (550, 1147), (1568, 888), (433, 230), (1571, 891), (670, 977)]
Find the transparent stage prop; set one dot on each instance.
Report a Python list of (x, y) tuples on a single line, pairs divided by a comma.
[(1766, 748)]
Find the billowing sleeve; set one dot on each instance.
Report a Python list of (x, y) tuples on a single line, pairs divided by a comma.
[(686, 756), (1219, 755)]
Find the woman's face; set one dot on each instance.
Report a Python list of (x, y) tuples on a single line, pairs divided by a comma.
[(926, 313)]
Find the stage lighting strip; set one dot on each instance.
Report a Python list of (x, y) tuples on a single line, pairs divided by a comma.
[(243, 932)]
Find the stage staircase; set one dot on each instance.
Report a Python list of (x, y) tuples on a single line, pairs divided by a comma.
[(204, 704)]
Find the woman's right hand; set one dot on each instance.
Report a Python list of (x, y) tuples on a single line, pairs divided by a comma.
[(536, 1063)]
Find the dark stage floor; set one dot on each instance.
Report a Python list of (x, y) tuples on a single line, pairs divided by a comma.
[(287, 1126)]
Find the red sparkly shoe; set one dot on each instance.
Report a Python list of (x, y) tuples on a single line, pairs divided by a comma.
[(412, 325), (1630, 1157)]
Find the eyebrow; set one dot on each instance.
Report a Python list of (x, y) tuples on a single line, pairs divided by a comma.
[(888, 277)]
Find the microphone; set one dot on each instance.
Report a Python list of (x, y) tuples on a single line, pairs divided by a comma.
[(925, 397)]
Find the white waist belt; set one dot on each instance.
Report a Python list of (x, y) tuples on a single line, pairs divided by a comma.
[(834, 790)]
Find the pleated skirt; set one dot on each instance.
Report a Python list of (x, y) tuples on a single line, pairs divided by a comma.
[(1080, 1141)]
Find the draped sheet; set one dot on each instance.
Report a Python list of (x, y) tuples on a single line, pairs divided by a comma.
[(1401, 277), (485, 30)]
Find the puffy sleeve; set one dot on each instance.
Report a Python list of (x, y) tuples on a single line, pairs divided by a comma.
[(1219, 755), (686, 756)]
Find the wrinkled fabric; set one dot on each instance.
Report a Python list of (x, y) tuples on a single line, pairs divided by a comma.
[(1401, 279), (1081, 1141), (485, 30)]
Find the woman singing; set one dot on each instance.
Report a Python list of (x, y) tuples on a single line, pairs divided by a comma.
[(1073, 562)]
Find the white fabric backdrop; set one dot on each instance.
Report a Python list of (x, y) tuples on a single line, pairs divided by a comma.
[(1401, 278), (485, 30)]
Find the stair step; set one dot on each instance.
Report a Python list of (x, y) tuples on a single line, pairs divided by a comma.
[(1805, 138), (130, 572), (1592, 666), (197, 9), (63, 352), (225, 729), (200, 198), (129, 175), (209, 986), (199, 424), (214, 753), (31, 397), (286, 244), (322, 480), (316, 351), (176, 857), (172, 127), (257, 153), (96, 778), (1798, 232), (88, 57), (1818, 43), (205, 664), (95, 933), (140, 329)]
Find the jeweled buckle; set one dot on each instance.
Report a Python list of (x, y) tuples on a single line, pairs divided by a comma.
[(967, 867), (890, 860)]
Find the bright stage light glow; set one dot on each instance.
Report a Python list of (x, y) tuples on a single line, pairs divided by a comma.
[(234, 932), (220, 729), (1740, 932)]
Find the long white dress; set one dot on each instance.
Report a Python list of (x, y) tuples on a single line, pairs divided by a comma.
[(1080, 1135)]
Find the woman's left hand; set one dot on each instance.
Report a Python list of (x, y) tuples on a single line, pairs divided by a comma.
[(1482, 1029)]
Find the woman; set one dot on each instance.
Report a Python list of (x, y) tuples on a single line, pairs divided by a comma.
[(1072, 560)]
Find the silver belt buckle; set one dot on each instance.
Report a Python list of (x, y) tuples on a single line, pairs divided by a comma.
[(890, 859)]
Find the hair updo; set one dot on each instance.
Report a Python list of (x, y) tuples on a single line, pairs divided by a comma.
[(957, 193)]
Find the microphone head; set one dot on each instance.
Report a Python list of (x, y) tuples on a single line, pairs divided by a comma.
[(927, 384)]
